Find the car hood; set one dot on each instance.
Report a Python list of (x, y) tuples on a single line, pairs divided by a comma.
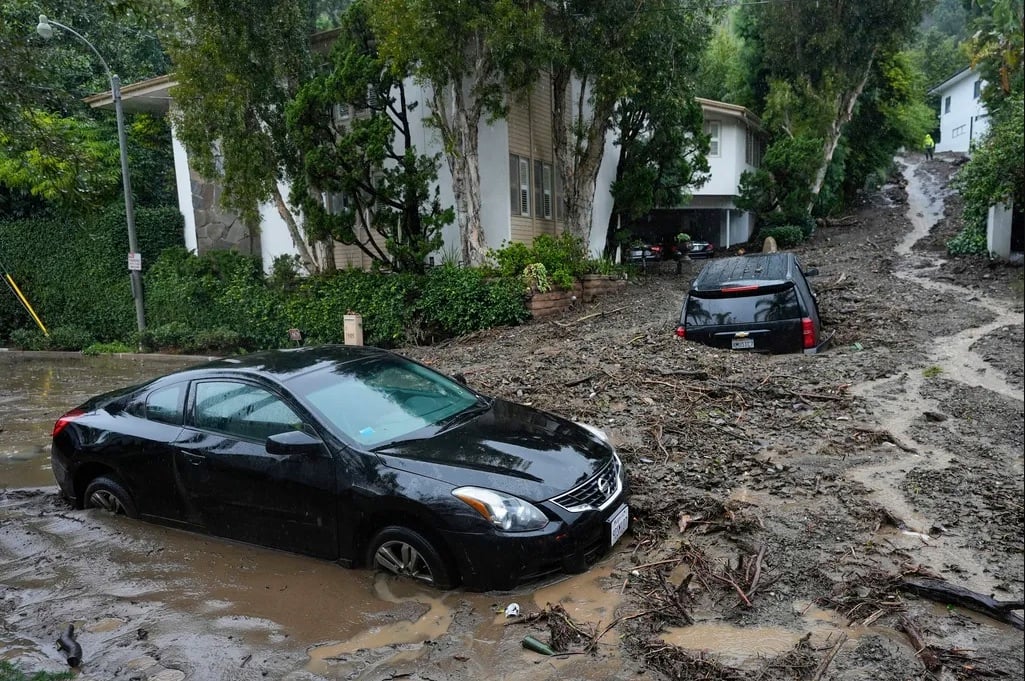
[(509, 448)]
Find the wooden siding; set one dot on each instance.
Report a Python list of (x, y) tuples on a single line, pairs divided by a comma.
[(530, 136)]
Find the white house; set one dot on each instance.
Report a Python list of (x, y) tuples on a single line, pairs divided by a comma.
[(736, 145), (520, 191), (963, 116)]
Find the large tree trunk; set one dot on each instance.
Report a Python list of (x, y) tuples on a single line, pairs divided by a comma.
[(458, 120), (305, 254), (579, 147), (844, 112)]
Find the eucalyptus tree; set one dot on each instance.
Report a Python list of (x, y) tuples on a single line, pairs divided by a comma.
[(353, 123), (237, 66), (814, 58), (634, 56), (469, 56)]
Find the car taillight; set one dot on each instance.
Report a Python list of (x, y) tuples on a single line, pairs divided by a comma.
[(63, 421), (808, 331), (681, 332)]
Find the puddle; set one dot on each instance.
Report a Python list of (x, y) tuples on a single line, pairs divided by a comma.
[(739, 646), (36, 389)]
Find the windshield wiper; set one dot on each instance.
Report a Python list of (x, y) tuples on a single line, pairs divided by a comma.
[(480, 407)]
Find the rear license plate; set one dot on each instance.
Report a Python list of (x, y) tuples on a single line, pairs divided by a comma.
[(618, 524), (743, 343)]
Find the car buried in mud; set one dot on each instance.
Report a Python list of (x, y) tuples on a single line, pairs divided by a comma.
[(352, 454)]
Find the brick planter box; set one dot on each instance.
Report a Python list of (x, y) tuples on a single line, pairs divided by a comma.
[(590, 287)]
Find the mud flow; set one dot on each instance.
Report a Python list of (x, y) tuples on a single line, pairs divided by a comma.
[(852, 515)]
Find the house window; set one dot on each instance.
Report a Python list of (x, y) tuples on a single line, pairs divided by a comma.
[(519, 185), (946, 105), (712, 129), (958, 131), (978, 89)]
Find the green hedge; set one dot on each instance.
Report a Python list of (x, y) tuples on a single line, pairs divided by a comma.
[(73, 269)]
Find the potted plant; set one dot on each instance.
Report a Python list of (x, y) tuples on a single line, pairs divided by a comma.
[(683, 242)]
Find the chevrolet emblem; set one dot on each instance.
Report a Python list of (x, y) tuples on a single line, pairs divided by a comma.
[(740, 334)]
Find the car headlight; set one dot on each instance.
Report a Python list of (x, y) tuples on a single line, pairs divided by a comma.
[(502, 510), (594, 430)]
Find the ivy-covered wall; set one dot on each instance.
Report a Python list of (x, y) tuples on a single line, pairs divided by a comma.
[(74, 269)]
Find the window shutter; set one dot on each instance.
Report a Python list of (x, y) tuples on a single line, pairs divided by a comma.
[(514, 184), (538, 194), (546, 191), (524, 186)]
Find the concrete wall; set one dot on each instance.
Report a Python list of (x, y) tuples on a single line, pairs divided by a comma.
[(998, 230)]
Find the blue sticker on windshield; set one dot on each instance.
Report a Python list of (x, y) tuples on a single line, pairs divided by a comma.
[(367, 432)]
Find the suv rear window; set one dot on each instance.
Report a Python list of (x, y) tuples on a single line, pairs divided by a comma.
[(746, 307)]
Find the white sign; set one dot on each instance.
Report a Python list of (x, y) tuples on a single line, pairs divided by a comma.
[(135, 261)]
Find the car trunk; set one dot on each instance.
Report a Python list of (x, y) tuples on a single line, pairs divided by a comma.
[(763, 320)]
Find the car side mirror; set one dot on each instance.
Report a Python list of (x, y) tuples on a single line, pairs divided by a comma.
[(294, 443), (460, 378), (812, 272)]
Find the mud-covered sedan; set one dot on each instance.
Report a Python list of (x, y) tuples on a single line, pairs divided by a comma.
[(352, 454)]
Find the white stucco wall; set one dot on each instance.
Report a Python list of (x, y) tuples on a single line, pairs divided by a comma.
[(967, 119), (183, 184), (727, 166), (274, 237)]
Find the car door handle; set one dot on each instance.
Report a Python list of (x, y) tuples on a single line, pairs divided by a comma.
[(192, 457)]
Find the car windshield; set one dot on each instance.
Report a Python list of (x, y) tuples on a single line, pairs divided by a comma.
[(381, 399), (750, 308)]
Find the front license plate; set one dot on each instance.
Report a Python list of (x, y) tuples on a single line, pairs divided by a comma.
[(618, 524), (743, 343)]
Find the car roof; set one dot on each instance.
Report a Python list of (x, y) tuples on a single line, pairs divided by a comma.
[(282, 365), (757, 269)]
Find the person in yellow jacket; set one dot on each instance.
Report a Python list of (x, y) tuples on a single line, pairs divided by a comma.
[(929, 146)]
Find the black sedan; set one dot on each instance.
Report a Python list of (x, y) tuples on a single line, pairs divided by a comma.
[(352, 454)]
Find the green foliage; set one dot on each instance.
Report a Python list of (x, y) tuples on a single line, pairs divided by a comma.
[(112, 348), (971, 240), (221, 301), (994, 174), (564, 258), (786, 236), (535, 278), (780, 189), (28, 339), (459, 300), (371, 159), (721, 74), (604, 266), (10, 672), (59, 338), (73, 269)]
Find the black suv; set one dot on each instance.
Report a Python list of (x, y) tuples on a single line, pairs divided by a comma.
[(760, 302)]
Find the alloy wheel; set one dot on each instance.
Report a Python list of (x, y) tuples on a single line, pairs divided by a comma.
[(106, 500), (400, 558)]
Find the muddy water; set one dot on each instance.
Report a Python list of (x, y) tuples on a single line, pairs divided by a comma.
[(37, 388), (219, 599), (899, 401)]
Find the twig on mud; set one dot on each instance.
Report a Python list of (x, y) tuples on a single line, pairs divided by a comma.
[(594, 640), (736, 587), (828, 659), (758, 571), (923, 651)]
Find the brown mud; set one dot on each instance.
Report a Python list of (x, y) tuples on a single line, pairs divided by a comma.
[(781, 504)]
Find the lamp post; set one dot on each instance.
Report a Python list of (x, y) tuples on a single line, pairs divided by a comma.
[(45, 29)]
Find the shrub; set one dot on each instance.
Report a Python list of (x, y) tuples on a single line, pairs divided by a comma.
[(564, 258), (114, 348), (459, 300), (69, 338), (28, 339), (786, 236), (220, 340), (174, 336), (969, 241)]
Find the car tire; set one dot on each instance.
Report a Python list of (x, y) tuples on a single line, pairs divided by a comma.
[(407, 553), (107, 493)]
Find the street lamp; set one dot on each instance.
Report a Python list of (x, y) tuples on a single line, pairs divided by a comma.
[(45, 29)]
